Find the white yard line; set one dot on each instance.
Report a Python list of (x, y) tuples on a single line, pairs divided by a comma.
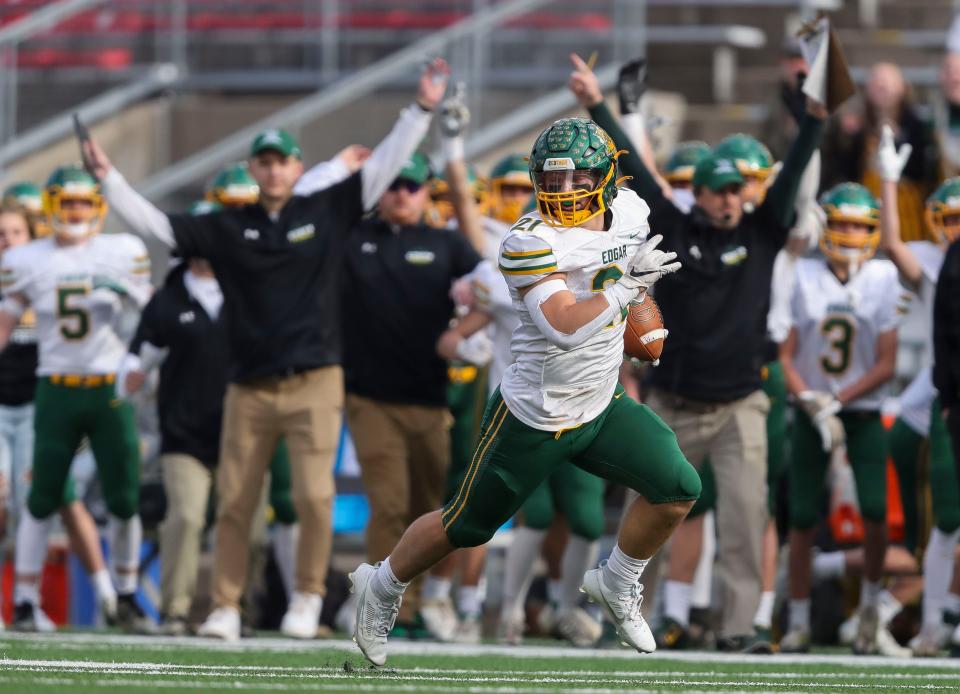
[(401, 647)]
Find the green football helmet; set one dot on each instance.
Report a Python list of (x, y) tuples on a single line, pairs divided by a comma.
[(510, 188), (679, 167), (573, 166), (74, 203), (29, 198), (844, 204), (943, 211), (752, 156), (199, 207), (233, 186)]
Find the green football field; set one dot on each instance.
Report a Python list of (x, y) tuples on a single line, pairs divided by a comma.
[(86, 662)]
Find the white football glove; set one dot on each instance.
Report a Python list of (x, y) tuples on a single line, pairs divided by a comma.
[(646, 267), (476, 349), (454, 114), (822, 408), (890, 160)]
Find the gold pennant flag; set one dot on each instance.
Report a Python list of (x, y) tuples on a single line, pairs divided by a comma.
[(828, 80)]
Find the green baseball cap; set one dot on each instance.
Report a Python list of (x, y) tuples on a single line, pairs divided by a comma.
[(416, 169), (277, 140), (715, 173)]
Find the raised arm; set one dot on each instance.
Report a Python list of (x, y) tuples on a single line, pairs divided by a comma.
[(327, 173), (584, 85), (137, 212), (454, 117), (890, 161), (389, 156)]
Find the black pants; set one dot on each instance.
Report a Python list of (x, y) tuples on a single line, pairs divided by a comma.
[(953, 426)]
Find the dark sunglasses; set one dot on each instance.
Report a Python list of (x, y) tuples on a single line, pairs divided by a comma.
[(405, 184)]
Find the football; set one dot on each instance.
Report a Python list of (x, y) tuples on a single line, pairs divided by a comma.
[(644, 335)]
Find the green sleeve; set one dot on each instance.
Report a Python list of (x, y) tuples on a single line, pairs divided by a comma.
[(642, 181), (782, 195)]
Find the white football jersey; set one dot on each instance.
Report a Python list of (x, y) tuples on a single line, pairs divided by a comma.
[(838, 325), (918, 397), (548, 388), (77, 293), (493, 298), (493, 230)]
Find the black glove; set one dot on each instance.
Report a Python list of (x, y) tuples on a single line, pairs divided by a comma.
[(631, 84), (794, 100)]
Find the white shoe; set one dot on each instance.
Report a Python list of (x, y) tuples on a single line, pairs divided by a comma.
[(888, 646), (303, 616), (107, 604), (45, 625), (346, 617), (795, 641), (577, 627), (468, 631), (623, 609), (868, 632), (223, 623), (375, 618), (439, 618), (848, 629), (510, 629), (547, 620)]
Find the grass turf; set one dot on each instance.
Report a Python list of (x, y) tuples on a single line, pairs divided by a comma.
[(92, 663)]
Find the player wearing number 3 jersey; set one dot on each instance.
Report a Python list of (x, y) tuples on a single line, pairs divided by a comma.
[(77, 283), (573, 267), (838, 359)]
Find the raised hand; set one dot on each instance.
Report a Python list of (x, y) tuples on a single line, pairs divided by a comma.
[(454, 114), (96, 157), (631, 85), (650, 263), (433, 83), (890, 160), (353, 156), (583, 83)]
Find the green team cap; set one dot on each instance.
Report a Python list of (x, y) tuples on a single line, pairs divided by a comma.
[(416, 169), (715, 173), (278, 141)]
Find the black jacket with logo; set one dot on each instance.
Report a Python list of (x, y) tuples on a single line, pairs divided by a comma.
[(716, 306), (396, 303), (193, 376), (946, 331)]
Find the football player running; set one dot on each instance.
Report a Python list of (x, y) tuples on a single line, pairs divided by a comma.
[(573, 267), (78, 283), (838, 359), (918, 263)]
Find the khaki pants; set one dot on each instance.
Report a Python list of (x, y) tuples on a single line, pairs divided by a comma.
[(734, 436), (306, 410), (404, 453), (187, 483)]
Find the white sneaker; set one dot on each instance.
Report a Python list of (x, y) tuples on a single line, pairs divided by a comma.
[(795, 641), (868, 632), (375, 618), (439, 618), (223, 623), (623, 609), (848, 629), (510, 629), (468, 631), (547, 620), (577, 627), (346, 617), (303, 616), (888, 646), (45, 625)]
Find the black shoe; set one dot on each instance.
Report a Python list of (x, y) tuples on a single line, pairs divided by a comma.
[(23, 617), (747, 643), (761, 643), (671, 635), (174, 626), (131, 618)]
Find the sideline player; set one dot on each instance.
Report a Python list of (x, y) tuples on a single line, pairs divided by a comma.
[(838, 360), (77, 283), (560, 401)]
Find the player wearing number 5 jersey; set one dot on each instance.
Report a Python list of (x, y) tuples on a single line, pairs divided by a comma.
[(573, 267), (78, 283), (838, 359)]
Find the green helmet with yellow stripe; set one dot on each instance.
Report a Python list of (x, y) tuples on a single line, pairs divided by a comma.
[(943, 211)]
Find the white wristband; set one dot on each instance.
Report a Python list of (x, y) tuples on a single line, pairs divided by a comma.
[(619, 295), (453, 149)]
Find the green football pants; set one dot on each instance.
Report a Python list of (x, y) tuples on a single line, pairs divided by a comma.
[(466, 396), (626, 444), (921, 466), (575, 493), (867, 452), (63, 417), (281, 495)]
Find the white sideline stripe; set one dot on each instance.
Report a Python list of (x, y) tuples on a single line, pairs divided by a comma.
[(401, 647), (417, 673)]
